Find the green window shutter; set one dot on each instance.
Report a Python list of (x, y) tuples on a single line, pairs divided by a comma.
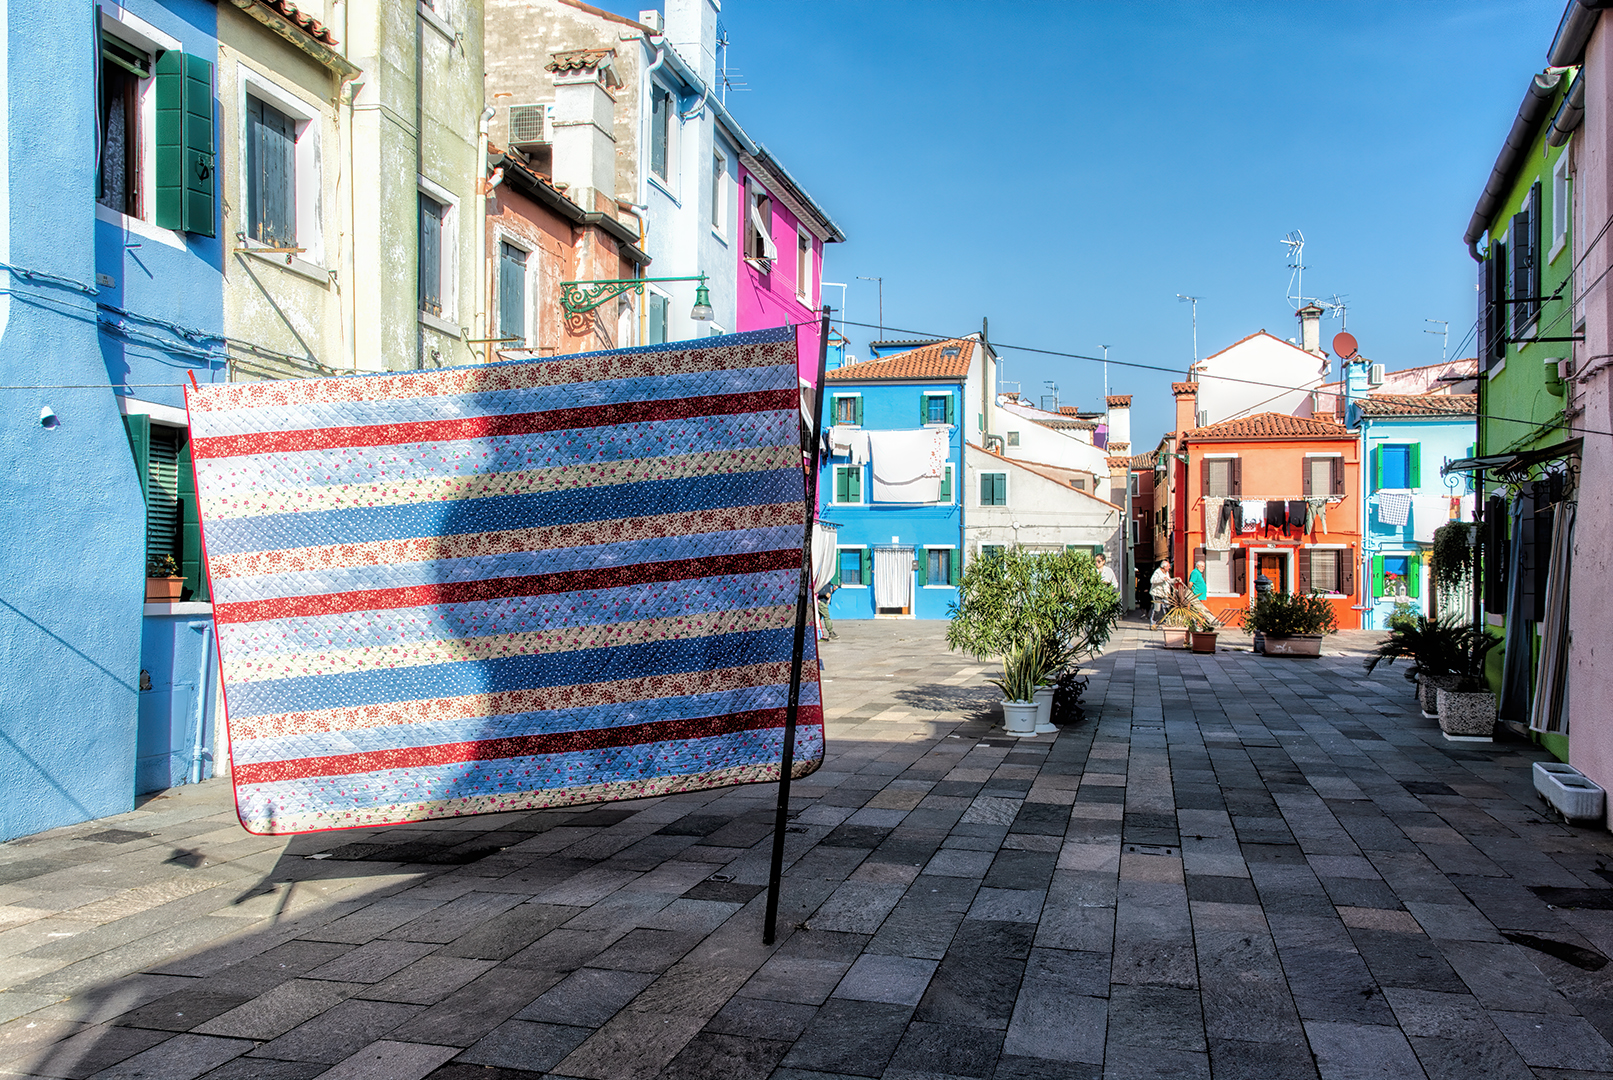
[(835, 581), (859, 400), (854, 484), (946, 484), (138, 428), (923, 560), (924, 408), (1097, 549), (184, 198), (1414, 576), (954, 566), (1414, 471), (867, 566), (842, 485), (191, 563), (1377, 575), (1377, 468)]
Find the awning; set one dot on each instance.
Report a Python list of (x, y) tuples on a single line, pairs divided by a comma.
[(1514, 465)]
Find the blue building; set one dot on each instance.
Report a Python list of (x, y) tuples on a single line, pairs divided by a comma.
[(1405, 438), (892, 482), (112, 300)]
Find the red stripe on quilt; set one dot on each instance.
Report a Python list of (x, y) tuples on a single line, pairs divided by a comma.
[(481, 427), (465, 592), (559, 742)]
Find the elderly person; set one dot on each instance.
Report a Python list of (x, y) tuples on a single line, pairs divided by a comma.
[(1106, 575), (1159, 590)]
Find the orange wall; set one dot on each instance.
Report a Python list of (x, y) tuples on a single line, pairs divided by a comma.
[(1274, 470)]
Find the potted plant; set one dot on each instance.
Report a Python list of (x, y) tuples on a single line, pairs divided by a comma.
[(1434, 647), (1467, 711), (1176, 622), (1201, 635), (164, 584), (1291, 624), (1037, 612)]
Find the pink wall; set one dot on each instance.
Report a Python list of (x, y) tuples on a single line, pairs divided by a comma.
[(768, 300)]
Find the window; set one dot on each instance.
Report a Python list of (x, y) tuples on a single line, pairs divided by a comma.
[(1222, 477), (432, 213), (803, 266), (759, 244), (271, 168), (512, 292), (1396, 576), (1561, 206), (937, 566), (1013, 438), (848, 409), (1324, 475), (1327, 570), (1136, 524), (993, 489), (719, 189), (663, 116), (124, 71), (989, 550), (848, 483), (851, 567), (936, 409), (168, 482), (1136, 484), (1078, 484), (1396, 465), (1218, 572), (656, 316), (1525, 236)]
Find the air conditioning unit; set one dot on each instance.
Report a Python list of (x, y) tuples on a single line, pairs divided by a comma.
[(531, 125), (1375, 375)]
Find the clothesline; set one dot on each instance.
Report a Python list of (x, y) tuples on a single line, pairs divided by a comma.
[(1270, 498)]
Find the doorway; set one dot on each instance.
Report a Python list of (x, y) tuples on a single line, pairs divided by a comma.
[(1274, 565), (893, 582)]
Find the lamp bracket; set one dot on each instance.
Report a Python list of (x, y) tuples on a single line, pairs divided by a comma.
[(580, 297)]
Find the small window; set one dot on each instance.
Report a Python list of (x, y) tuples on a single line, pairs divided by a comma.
[(1218, 571), (848, 410), (851, 567), (993, 489), (803, 266), (939, 563), (935, 409), (1136, 484), (719, 188), (1013, 438), (1078, 484), (662, 116), (1219, 477), (124, 70), (1324, 570), (1319, 476), (759, 244), (656, 316), (1394, 466), (511, 293), (431, 254), (1561, 204), (271, 163), (989, 550), (848, 483)]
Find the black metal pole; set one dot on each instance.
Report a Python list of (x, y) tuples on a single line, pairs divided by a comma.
[(803, 597)]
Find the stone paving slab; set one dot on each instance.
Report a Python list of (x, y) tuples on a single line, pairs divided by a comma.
[(1233, 867)]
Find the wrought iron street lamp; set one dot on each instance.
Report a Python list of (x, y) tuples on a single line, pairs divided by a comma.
[(581, 297)]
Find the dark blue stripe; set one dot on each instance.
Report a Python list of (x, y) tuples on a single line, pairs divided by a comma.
[(465, 677)]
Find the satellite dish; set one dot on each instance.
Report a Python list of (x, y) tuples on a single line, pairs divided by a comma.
[(1344, 345)]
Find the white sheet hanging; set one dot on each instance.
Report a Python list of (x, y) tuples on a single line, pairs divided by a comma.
[(1429, 512), (824, 553), (893, 578), (905, 469)]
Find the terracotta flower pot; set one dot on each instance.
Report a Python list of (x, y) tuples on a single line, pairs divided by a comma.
[(1293, 645), (164, 590), (1175, 637), (1203, 641)]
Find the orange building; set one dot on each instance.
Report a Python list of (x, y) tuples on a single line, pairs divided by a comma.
[(1276, 495)]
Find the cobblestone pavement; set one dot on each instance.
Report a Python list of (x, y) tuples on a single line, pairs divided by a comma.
[(1236, 867)]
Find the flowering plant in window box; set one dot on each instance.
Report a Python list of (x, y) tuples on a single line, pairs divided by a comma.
[(163, 581)]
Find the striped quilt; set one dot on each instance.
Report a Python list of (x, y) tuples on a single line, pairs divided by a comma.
[(517, 585)]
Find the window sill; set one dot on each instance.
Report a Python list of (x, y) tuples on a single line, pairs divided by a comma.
[(1496, 369), (1557, 249), (665, 188), (301, 267), (720, 236), (851, 586), (441, 325), (188, 608), (140, 227), (954, 587), (435, 21)]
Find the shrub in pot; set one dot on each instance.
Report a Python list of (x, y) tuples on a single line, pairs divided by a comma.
[(1201, 636), (1434, 647), (164, 584), (1291, 624), (1037, 612)]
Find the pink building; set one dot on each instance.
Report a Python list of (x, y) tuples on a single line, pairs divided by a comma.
[(781, 260)]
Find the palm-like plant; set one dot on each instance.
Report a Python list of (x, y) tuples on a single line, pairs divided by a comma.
[(1433, 645)]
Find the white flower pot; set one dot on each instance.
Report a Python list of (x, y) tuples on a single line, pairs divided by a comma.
[(1019, 717), (1044, 711)]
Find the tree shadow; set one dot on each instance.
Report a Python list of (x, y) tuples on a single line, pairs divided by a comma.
[(968, 702)]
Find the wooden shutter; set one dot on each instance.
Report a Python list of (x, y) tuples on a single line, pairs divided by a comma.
[(1485, 331), (1376, 458), (1204, 477), (1495, 556), (854, 484), (842, 484), (162, 492), (954, 565), (1377, 576), (1235, 477), (1498, 306), (512, 291), (924, 408), (1000, 489), (138, 427), (271, 143), (184, 198), (858, 410), (1347, 571), (839, 555), (1305, 468), (946, 484), (866, 566), (1337, 464), (1414, 466), (1240, 571), (192, 564), (658, 135), (1198, 553), (1414, 575), (951, 410), (1532, 220), (923, 561), (1302, 558), (1518, 233)]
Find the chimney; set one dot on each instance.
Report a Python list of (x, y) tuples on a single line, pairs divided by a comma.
[(1310, 328), (1187, 404), (691, 27), (584, 111), (1119, 406)]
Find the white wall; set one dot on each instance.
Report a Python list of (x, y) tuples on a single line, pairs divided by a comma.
[(1040, 511), (1253, 376), (1049, 446)]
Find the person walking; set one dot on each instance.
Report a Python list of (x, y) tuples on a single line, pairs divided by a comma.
[(826, 625), (1196, 582), (1159, 589)]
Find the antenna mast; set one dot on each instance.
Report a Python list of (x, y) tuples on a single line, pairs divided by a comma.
[(1295, 241), (1445, 335), (1194, 300)]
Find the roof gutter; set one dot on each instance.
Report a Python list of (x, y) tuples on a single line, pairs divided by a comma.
[(1574, 32), (1531, 114), (518, 178), (1569, 113)]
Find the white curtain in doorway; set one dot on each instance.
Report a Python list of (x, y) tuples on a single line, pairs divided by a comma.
[(823, 555), (893, 577)]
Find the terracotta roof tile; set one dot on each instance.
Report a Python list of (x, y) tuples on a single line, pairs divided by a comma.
[(288, 10), (1066, 423), (943, 360), (577, 59), (1118, 401), (1144, 461), (1179, 388), (1270, 425), (1419, 405)]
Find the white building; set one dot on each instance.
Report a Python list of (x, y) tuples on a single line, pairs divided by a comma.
[(1012, 502)]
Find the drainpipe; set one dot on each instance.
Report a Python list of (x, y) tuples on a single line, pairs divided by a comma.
[(484, 191), (203, 670)]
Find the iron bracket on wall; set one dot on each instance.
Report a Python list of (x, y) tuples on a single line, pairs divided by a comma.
[(580, 297)]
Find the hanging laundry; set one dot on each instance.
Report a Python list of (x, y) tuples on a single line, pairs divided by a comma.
[(940, 449), (904, 467), (1296, 514), (840, 439), (1232, 510), (1254, 512), (1224, 514), (1276, 514), (1394, 507), (1216, 520), (1429, 512), (1316, 514)]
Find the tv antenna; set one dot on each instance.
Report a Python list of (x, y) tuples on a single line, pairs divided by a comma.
[(730, 80), (1295, 241), (1194, 300), (1336, 308), (1105, 349), (1051, 385), (1444, 332)]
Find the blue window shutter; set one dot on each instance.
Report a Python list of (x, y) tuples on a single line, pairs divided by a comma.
[(184, 199)]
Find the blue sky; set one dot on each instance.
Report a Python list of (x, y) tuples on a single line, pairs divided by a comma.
[(1067, 169)]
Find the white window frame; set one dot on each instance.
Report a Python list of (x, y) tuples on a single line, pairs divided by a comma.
[(1136, 485), (834, 409), (448, 321), (754, 192), (927, 548), (529, 327), (867, 571), (656, 291), (943, 395), (134, 30), (803, 266), (861, 500), (1012, 439), (1342, 549), (1561, 207), (719, 195), (310, 233)]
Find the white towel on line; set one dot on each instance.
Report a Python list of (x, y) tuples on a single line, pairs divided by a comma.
[(1428, 513), (905, 469), (1394, 507)]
